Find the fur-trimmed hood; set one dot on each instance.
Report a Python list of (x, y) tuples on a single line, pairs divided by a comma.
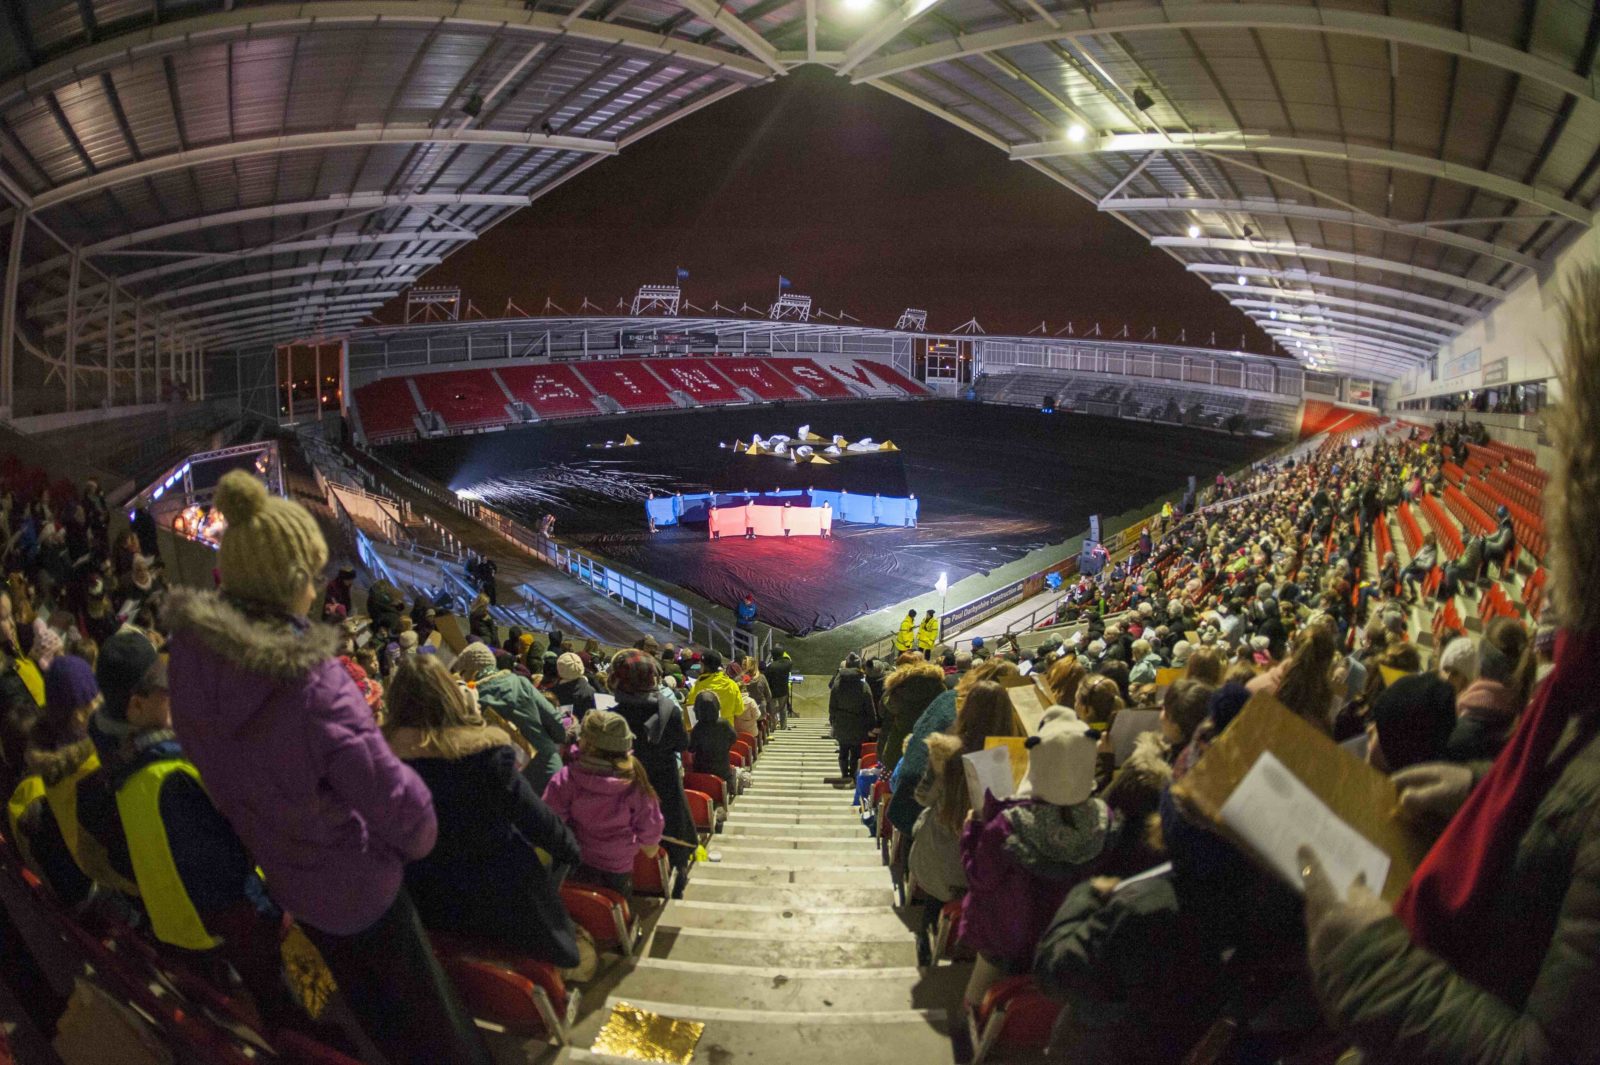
[(453, 743), (941, 748), (1148, 760), (267, 645), (56, 765)]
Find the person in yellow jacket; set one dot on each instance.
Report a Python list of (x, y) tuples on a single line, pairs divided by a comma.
[(906, 638), (150, 811), (67, 766), (928, 634), (714, 680)]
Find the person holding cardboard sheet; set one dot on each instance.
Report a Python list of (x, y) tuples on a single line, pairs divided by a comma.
[(1022, 856), (1491, 953)]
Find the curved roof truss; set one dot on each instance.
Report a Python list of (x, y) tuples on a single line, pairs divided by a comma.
[(1385, 172)]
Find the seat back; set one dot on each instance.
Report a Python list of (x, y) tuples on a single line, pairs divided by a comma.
[(510, 998), (703, 813), (709, 783), (652, 877)]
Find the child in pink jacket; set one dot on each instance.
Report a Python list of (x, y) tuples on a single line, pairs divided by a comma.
[(607, 800)]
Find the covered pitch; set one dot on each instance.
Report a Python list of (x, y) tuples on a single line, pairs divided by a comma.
[(993, 483)]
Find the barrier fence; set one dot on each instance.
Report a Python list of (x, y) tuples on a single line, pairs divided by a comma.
[(855, 507)]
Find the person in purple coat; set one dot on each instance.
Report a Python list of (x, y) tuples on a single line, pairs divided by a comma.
[(290, 754)]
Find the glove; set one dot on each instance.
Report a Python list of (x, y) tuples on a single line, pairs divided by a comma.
[(1329, 920), (1433, 790)]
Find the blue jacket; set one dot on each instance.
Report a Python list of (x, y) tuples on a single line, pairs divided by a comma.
[(745, 613)]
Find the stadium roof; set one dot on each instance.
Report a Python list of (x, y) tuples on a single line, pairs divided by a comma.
[(1363, 177)]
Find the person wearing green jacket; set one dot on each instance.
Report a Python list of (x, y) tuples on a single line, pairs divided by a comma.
[(1492, 952), (513, 697)]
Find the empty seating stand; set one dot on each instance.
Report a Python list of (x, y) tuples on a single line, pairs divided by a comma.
[(629, 382), (759, 376), (813, 378), (465, 399), (468, 399), (698, 379), (553, 391), (388, 409)]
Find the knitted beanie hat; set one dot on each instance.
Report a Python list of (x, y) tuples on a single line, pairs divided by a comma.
[(569, 666), (1061, 759), (69, 684), (607, 732), (474, 660), (272, 547)]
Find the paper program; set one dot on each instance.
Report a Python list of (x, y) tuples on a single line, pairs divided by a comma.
[(1276, 814)]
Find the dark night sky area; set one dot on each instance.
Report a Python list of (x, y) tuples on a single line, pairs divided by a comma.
[(864, 202)]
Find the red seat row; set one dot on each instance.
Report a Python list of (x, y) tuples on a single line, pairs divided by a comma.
[(478, 398), (1443, 528)]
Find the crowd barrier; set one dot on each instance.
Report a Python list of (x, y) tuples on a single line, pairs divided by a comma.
[(771, 519), (854, 507)]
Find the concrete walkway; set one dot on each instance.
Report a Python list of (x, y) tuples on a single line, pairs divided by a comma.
[(790, 948)]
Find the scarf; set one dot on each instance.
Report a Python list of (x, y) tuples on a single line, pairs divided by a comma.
[(1445, 903), (1053, 841)]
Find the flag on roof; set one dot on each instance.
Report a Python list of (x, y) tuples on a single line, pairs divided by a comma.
[(683, 275), (783, 282)]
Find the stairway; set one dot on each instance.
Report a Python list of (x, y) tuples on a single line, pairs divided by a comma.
[(789, 948)]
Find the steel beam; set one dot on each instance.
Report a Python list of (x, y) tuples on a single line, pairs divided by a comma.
[(1272, 295), (1306, 277), (882, 32), (500, 18), (153, 166), (1279, 209), (8, 312), (1173, 15), (1306, 251), (1311, 148)]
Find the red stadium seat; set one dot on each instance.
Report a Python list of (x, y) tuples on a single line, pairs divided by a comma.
[(652, 877), (1014, 1020), (465, 399), (711, 784), (387, 408), (813, 378), (529, 1000), (702, 809), (603, 913)]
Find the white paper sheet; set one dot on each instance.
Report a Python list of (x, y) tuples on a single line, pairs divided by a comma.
[(990, 771), (1276, 814)]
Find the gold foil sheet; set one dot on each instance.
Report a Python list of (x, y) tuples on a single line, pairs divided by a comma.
[(640, 1035)]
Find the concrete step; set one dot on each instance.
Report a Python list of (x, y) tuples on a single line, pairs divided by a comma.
[(758, 809), (732, 841), (744, 871), (798, 896), (752, 827), (780, 922), (735, 1037), (789, 816), (762, 950), (743, 852), (809, 798), (788, 990)]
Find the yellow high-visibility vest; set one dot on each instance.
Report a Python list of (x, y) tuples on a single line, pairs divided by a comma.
[(907, 635), (166, 900), (88, 852), (30, 789), (928, 634)]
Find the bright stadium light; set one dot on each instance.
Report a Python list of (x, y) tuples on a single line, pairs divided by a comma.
[(1241, 279), (1194, 232), (1076, 132)]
